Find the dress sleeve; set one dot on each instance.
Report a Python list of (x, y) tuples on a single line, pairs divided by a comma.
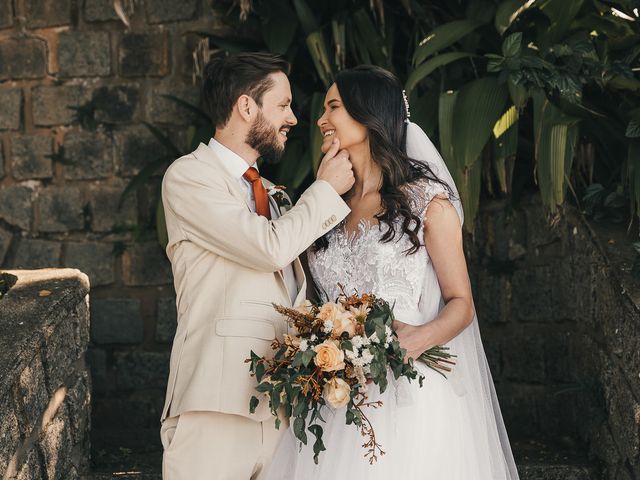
[(424, 192)]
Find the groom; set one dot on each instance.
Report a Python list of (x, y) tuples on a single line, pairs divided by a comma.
[(232, 255)]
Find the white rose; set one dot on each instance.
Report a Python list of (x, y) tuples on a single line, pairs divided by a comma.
[(329, 357), (344, 322), (337, 392), (330, 311)]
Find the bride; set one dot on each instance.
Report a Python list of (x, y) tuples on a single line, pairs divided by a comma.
[(402, 241)]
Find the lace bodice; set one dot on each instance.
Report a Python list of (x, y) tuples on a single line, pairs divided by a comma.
[(359, 260)]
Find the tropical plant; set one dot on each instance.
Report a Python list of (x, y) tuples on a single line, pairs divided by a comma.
[(518, 94)]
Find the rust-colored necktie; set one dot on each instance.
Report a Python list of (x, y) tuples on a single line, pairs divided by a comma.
[(259, 192)]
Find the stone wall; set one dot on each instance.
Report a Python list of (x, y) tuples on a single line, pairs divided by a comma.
[(558, 308), (44, 379), (76, 86)]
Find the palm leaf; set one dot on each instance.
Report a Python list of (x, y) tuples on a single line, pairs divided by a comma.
[(561, 13), (445, 127), (375, 43), (143, 176), (469, 190), (504, 152), (306, 17), (192, 108), (315, 135), (479, 105), (555, 136), (318, 50), (506, 121), (279, 29), (633, 174), (163, 139), (428, 67), (508, 12), (232, 45), (339, 40), (442, 37)]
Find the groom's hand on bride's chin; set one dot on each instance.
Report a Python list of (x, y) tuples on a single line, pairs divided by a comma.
[(336, 169)]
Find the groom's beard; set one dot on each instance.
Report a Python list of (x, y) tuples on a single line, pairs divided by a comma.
[(264, 139)]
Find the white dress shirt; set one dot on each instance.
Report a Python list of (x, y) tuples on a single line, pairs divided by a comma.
[(238, 166)]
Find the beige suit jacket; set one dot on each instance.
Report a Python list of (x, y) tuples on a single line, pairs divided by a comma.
[(226, 263)]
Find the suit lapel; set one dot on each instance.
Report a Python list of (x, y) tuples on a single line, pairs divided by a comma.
[(205, 153), (301, 280)]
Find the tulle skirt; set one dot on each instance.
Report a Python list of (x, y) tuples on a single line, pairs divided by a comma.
[(426, 433)]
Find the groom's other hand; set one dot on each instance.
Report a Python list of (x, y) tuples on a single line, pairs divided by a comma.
[(336, 169)]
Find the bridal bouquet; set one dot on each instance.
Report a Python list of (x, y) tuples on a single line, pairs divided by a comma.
[(339, 347)]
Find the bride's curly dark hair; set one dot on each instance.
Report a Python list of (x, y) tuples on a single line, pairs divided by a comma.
[(373, 97)]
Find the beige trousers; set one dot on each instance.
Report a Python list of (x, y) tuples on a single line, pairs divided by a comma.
[(217, 446)]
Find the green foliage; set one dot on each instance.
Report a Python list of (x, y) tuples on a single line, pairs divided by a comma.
[(567, 67)]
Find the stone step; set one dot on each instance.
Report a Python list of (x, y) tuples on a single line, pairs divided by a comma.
[(556, 472), (539, 461), (536, 461)]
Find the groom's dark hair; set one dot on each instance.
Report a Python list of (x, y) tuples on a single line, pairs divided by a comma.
[(226, 77)]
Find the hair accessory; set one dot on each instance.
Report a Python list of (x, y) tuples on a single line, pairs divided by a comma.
[(406, 106)]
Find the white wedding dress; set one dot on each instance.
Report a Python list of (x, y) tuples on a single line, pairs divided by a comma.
[(449, 429)]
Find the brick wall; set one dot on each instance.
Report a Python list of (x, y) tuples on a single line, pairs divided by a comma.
[(75, 86)]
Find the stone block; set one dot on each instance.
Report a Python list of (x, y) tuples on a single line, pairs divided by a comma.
[(6, 13), (523, 357), (31, 468), (16, 205), (55, 444), (32, 392), (540, 233), (105, 214), (116, 104), (519, 406), (143, 55), (11, 101), (84, 54), (23, 58), (116, 320), (493, 298), (9, 433), (61, 209), (99, 11), (161, 11), (47, 13), (65, 347), (5, 242), (168, 111), (532, 293), (127, 413), (93, 258), (52, 104), (78, 401), (166, 320), (136, 147), (146, 264), (36, 253), (140, 370), (31, 156), (97, 360), (91, 154), (492, 349)]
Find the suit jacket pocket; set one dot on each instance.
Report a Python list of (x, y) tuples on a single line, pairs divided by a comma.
[(243, 327)]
